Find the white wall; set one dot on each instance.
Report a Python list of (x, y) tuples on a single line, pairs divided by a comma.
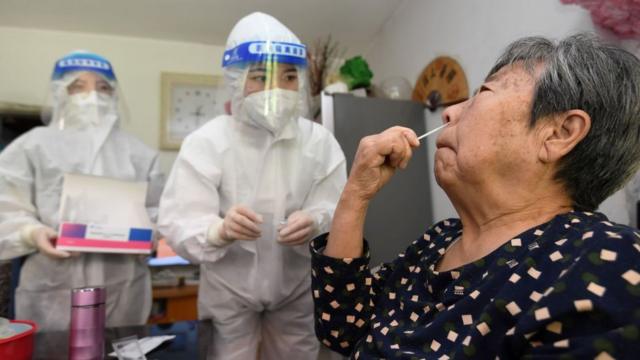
[(27, 58), (474, 33)]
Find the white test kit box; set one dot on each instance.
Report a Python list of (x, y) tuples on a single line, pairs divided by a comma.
[(104, 215)]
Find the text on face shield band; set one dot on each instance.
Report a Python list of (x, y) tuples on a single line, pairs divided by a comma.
[(259, 51), (82, 62)]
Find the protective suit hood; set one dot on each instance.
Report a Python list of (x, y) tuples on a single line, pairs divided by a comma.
[(260, 41), (72, 105)]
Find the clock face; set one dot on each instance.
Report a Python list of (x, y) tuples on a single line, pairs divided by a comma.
[(191, 107), (441, 83)]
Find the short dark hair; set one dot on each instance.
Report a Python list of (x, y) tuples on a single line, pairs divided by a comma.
[(581, 72)]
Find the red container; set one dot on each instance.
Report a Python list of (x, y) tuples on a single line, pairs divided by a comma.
[(19, 346)]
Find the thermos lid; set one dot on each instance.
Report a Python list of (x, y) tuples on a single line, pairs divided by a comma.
[(92, 295)]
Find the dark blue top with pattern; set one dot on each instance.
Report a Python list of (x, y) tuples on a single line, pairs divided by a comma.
[(569, 288)]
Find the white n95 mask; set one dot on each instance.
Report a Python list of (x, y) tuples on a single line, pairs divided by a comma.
[(271, 109), (88, 109)]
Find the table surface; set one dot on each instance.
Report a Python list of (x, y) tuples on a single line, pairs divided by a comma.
[(191, 342), (164, 292)]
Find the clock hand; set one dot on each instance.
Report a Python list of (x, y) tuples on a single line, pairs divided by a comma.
[(199, 111)]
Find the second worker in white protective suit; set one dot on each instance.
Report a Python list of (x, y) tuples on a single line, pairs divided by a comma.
[(246, 194), (83, 137)]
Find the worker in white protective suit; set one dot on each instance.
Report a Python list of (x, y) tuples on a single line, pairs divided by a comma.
[(82, 137), (246, 194)]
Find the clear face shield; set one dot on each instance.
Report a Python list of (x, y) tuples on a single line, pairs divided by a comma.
[(84, 94), (268, 90), (84, 100)]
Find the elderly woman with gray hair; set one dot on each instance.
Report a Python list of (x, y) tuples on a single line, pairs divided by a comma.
[(529, 269)]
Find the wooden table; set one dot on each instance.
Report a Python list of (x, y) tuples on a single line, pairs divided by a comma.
[(180, 303)]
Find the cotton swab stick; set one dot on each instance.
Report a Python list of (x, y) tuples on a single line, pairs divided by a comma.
[(431, 132)]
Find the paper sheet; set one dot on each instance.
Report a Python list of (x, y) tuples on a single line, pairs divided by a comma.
[(146, 345), (98, 200)]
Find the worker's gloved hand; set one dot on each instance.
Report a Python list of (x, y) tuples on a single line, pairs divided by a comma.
[(298, 230), (240, 223), (42, 238)]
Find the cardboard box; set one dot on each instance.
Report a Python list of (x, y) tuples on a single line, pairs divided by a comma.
[(104, 215)]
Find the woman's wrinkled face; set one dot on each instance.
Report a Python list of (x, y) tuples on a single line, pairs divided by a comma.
[(265, 76), (88, 81), (488, 141)]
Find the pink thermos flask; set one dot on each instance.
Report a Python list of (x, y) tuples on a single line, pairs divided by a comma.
[(86, 335)]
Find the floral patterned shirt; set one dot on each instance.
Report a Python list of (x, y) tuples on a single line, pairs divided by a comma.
[(569, 288)]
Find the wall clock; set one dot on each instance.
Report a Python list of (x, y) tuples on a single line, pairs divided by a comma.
[(188, 101), (441, 83)]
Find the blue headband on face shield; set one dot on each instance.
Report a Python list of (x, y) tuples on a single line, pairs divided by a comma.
[(261, 51), (83, 61)]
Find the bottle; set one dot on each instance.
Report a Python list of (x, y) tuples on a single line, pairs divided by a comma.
[(86, 334)]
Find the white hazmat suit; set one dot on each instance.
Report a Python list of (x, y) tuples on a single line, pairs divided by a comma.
[(280, 166), (83, 137)]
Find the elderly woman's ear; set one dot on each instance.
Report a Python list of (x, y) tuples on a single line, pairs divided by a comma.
[(561, 133)]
